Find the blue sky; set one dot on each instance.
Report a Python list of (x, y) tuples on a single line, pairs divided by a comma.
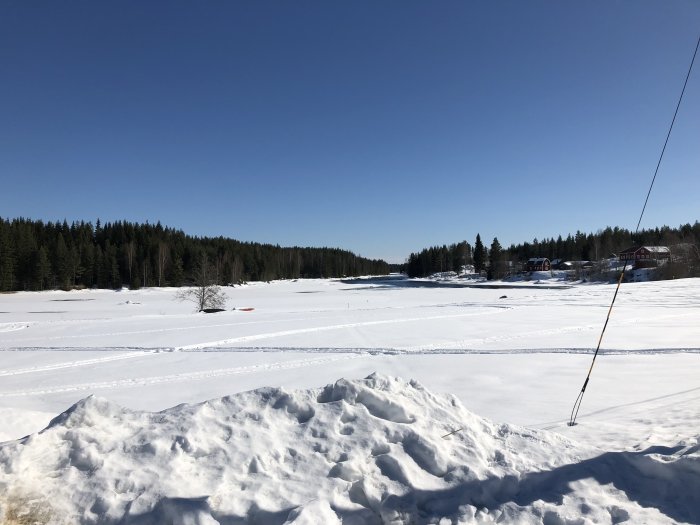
[(379, 127)]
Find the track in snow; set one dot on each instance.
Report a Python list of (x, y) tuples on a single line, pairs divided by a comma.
[(272, 335), (338, 350), (441, 351), (169, 329), (145, 331), (73, 364), (185, 376)]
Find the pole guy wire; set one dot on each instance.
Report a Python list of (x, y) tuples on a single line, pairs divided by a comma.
[(579, 399)]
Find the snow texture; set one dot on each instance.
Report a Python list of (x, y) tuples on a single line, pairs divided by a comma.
[(378, 450), (366, 451)]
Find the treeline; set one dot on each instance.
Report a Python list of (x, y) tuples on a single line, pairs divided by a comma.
[(439, 259), (36, 256), (498, 261), (605, 243)]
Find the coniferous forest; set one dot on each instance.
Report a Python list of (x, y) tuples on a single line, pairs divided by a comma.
[(36, 255), (683, 242)]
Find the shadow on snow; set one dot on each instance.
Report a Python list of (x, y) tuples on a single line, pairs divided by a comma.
[(668, 485)]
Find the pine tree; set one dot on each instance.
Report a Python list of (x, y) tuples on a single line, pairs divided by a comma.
[(479, 254), (496, 267), (135, 282)]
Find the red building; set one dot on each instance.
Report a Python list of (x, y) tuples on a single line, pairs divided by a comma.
[(538, 264), (645, 255)]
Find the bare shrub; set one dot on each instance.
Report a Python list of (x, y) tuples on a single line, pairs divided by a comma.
[(16, 509), (205, 297), (205, 294)]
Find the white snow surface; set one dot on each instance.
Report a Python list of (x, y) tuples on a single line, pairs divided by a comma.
[(256, 437)]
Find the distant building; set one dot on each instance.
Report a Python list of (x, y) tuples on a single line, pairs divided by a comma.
[(556, 264), (645, 256), (538, 264), (574, 265)]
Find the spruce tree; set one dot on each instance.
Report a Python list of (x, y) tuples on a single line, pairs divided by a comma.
[(479, 254), (42, 271), (178, 274), (62, 263), (496, 269)]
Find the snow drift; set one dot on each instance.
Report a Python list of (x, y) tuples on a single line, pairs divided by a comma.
[(355, 452)]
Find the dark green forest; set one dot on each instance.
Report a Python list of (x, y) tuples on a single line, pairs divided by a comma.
[(36, 255), (498, 261)]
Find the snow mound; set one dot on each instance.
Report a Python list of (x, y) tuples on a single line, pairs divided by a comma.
[(355, 452)]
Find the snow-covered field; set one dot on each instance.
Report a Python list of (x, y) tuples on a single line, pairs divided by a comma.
[(502, 366)]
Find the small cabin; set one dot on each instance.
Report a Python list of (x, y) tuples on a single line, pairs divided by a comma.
[(538, 264)]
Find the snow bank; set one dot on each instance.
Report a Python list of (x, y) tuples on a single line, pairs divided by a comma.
[(355, 452)]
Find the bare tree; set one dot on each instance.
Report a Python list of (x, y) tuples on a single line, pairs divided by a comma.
[(236, 270), (205, 297), (205, 294)]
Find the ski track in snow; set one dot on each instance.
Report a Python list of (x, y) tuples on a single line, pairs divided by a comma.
[(272, 335), (159, 330), (467, 343), (510, 337), (464, 344), (266, 321), (442, 351), (73, 364), (451, 346), (355, 350), (185, 376)]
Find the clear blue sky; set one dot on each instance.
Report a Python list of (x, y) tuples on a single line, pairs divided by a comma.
[(379, 127)]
